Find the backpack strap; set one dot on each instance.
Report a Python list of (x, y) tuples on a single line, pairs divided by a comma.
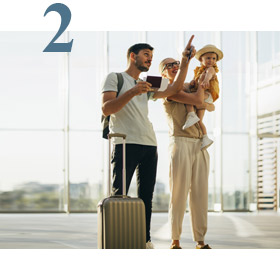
[(105, 120), (120, 82)]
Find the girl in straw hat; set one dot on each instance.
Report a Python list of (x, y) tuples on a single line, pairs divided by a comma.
[(206, 75)]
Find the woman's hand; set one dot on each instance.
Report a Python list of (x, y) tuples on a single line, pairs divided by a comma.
[(190, 49), (207, 106), (192, 83)]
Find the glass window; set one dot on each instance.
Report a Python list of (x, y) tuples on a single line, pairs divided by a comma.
[(29, 88), (119, 42), (161, 194), (233, 94), (276, 55), (276, 42), (235, 172), (31, 165), (86, 170), (264, 46), (265, 55), (165, 45), (86, 75)]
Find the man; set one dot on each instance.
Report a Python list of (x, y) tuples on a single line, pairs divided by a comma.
[(129, 115)]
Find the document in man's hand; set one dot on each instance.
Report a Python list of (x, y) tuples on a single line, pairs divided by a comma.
[(157, 82), (154, 80)]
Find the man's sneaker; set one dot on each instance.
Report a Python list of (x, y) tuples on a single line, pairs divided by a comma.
[(191, 120), (150, 245), (206, 142)]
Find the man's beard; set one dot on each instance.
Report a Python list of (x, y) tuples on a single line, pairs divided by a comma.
[(140, 66)]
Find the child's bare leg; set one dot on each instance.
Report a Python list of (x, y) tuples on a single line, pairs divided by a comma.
[(190, 108), (192, 118), (200, 113), (206, 142)]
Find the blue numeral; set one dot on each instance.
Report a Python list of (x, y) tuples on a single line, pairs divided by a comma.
[(65, 14)]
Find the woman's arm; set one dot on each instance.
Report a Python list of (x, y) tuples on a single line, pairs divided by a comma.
[(196, 99), (177, 85), (207, 106)]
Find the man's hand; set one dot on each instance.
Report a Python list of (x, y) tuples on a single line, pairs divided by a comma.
[(112, 105), (141, 87)]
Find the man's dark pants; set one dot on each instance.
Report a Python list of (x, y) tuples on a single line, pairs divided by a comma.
[(143, 159)]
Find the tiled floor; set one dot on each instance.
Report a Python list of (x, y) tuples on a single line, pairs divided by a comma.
[(62, 231)]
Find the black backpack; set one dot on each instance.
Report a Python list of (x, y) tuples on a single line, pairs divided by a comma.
[(105, 120)]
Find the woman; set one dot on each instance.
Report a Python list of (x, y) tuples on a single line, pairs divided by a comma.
[(189, 165)]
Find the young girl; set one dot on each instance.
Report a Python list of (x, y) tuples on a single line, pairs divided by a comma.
[(206, 74)]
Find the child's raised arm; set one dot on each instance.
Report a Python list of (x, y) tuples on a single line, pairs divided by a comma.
[(210, 72)]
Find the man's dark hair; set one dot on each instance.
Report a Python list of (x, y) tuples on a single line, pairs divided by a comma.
[(138, 47)]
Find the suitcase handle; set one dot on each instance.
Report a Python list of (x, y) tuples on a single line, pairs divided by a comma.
[(123, 136), (111, 135)]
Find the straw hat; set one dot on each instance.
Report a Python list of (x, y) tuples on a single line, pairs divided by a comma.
[(209, 49)]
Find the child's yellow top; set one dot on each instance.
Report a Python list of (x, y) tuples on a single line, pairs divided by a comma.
[(214, 83)]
